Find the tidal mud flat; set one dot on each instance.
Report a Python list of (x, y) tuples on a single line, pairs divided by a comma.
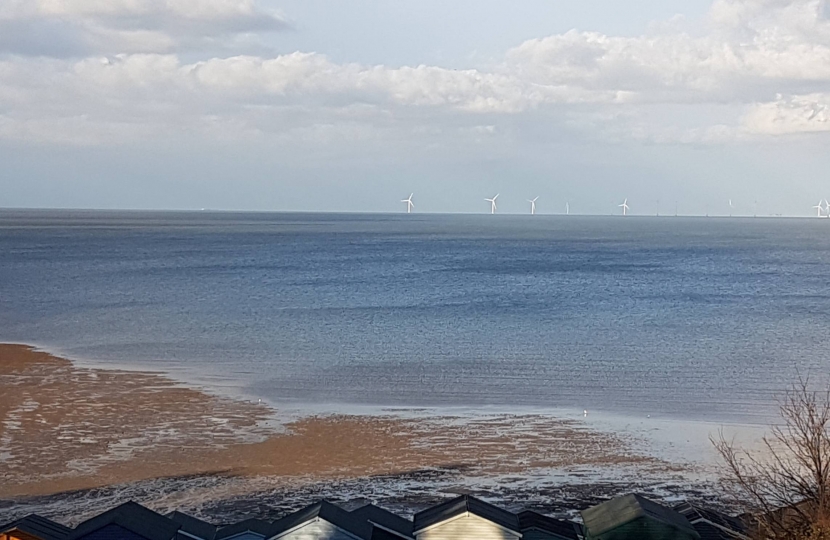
[(75, 440)]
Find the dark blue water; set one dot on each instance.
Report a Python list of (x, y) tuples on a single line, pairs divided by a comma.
[(691, 318)]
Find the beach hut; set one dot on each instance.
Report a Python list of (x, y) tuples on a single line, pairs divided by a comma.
[(466, 517), (321, 521), (33, 527), (632, 517), (249, 529), (130, 521), (191, 528), (535, 526), (713, 525), (385, 524)]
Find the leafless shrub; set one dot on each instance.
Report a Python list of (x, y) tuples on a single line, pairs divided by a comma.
[(785, 485)]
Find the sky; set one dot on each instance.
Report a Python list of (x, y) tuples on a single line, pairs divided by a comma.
[(351, 105)]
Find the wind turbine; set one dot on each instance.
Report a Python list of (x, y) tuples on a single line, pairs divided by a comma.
[(827, 207), (731, 206), (624, 206), (409, 204), (567, 209), (819, 208), (492, 203), (532, 205)]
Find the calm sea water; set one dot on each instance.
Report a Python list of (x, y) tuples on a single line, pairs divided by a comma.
[(701, 319)]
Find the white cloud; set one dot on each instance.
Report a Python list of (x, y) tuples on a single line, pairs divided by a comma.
[(128, 26), (131, 82), (795, 114)]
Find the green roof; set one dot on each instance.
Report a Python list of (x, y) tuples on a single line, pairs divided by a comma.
[(619, 511)]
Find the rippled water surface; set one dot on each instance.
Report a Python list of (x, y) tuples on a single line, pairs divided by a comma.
[(690, 318)]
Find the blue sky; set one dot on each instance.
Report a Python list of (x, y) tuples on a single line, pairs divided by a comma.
[(350, 106)]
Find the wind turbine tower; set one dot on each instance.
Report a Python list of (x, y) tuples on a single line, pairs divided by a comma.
[(492, 203), (624, 207), (532, 205), (409, 204)]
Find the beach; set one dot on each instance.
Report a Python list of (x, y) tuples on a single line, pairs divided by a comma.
[(65, 429)]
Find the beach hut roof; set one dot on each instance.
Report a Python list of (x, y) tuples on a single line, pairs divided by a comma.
[(256, 526), (558, 527), (38, 527), (193, 526), (619, 511), (133, 517), (384, 519), (698, 515), (326, 511), (465, 504)]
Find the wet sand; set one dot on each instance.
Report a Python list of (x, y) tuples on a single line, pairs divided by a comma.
[(64, 427)]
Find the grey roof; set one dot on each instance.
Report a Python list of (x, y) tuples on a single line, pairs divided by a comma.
[(193, 526), (707, 531), (38, 526), (559, 527), (462, 504), (257, 526), (328, 512), (618, 511), (696, 514), (133, 517), (384, 518)]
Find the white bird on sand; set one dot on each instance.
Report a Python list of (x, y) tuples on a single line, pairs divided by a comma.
[(585, 412), (532, 205), (492, 203)]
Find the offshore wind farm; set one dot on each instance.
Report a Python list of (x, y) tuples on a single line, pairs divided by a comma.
[(728, 210), (258, 253)]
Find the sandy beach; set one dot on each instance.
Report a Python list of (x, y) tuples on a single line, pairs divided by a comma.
[(64, 428)]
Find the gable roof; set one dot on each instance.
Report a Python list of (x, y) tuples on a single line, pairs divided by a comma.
[(257, 526), (383, 519), (326, 511), (40, 527), (465, 504), (707, 531), (618, 511), (193, 526), (133, 517), (697, 515), (560, 527)]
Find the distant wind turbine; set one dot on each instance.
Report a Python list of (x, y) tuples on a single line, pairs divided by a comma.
[(409, 204), (827, 207), (819, 208), (492, 203), (731, 207), (567, 209), (624, 206), (532, 205)]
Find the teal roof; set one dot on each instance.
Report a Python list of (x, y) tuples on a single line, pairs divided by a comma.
[(619, 511)]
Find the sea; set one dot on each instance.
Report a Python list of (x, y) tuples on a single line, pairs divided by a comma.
[(704, 319)]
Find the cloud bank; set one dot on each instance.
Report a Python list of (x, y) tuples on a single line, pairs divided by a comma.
[(98, 72)]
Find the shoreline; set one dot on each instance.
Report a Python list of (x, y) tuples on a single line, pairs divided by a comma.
[(65, 427), (299, 409)]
